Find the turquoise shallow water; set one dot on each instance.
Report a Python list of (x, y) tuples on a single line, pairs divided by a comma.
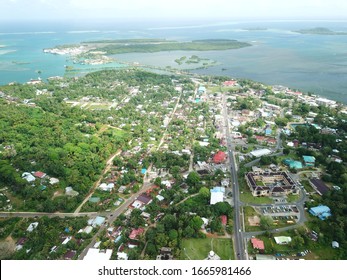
[(312, 63)]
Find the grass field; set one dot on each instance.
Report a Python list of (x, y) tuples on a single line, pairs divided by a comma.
[(247, 197), (198, 249)]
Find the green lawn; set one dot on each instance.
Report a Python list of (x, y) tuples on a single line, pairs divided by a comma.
[(198, 249), (247, 197), (293, 197)]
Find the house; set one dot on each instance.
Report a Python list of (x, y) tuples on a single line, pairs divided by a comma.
[(69, 255), (165, 254), (53, 181), (258, 244), (309, 160), (201, 89), (106, 187), (20, 243), (39, 174), (268, 131), (135, 233), (94, 254), (32, 226), (70, 192), (217, 195), (335, 244), (321, 211), (28, 177), (141, 201), (66, 240), (282, 240), (224, 220), (229, 83), (320, 187), (98, 221), (220, 157), (122, 256)]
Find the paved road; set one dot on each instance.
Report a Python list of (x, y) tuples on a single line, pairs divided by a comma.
[(239, 246)]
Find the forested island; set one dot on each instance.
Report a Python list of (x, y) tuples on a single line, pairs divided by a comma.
[(98, 51), (320, 31)]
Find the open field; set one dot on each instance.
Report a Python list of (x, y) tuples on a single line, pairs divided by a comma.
[(198, 249)]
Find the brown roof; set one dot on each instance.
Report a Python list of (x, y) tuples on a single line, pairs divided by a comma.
[(321, 187)]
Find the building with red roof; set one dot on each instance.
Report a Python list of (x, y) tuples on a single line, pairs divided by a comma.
[(224, 220), (39, 174), (220, 157), (258, 244), (135, 233), (229, 83)]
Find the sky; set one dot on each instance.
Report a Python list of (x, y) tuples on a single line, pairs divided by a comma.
[(18, 10)]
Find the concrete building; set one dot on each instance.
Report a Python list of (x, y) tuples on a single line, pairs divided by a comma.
[(270, 183)]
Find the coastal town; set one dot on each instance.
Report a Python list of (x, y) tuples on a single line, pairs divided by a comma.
[(166, 167)]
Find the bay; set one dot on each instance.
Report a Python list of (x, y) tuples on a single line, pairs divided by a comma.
[(311, 63)]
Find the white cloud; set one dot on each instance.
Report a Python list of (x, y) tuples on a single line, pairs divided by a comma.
[(232, 9)]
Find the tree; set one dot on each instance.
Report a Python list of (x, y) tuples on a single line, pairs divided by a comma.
[(196, 222), (266, 222), (216, 225), (297, 242), (193, 179), (204, 193), (222, 208)]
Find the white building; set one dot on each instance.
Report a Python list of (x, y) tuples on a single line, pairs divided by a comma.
[(260, 152), (217, 195)]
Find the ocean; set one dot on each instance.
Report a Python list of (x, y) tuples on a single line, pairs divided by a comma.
[(278, 56)]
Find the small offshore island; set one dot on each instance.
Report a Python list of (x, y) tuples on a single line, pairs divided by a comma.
[(320, 31)]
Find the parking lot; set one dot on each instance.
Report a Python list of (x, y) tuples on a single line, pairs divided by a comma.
[(287, 212)]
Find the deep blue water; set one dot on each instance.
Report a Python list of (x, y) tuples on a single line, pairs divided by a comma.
[(314, 63)]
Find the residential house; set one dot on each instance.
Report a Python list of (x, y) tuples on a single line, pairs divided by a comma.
[(141, 201), (69, 255), (135, 233), (258, 244), (32, 226), (165, 254), (220, 157), (39, 174), (28, 177)]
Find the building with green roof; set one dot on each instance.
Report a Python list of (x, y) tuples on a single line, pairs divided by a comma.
[(309, 160)]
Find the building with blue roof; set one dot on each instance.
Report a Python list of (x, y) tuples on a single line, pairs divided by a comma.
[(293, 163), (309, 160), (321, 211), (201, 89)]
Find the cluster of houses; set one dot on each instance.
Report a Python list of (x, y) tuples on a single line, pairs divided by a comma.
[(42, 177)]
